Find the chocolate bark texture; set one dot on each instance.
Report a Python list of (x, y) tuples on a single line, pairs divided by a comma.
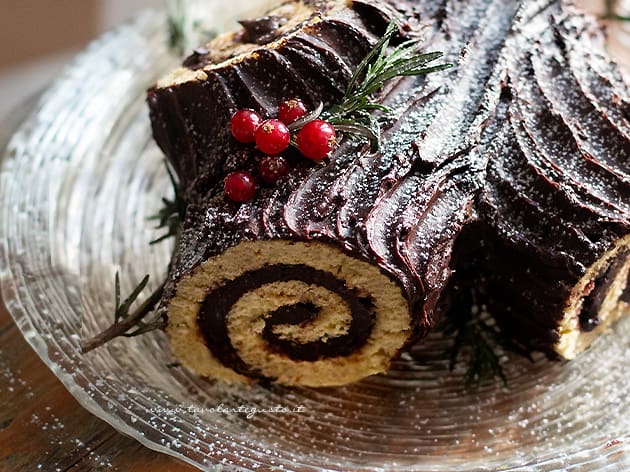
[(509, 173)]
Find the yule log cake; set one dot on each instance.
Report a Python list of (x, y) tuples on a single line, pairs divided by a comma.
[(509, 173)]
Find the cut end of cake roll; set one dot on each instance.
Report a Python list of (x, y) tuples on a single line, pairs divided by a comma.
[(296, 313), (598, 300)]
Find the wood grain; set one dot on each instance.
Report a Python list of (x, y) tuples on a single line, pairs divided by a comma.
[(42, 427)]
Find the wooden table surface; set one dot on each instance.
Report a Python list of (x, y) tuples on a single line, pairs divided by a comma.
[(42, 427)]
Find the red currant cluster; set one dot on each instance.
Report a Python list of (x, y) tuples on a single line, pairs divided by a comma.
[(315, 140)]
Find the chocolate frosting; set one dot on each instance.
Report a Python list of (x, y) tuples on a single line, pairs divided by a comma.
[(519, 155), (262, 30)]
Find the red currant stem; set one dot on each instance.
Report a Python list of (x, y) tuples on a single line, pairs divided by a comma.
[(359, 130), (298, 124)]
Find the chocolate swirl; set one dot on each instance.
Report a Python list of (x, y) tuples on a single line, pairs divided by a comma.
[(215, 310)]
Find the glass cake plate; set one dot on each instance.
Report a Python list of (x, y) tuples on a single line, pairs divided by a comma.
[(79, 179)]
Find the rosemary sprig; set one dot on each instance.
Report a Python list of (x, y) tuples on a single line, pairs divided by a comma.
[(134, 323), (128, 323), (354, 114), (172, 213), (475, 337)]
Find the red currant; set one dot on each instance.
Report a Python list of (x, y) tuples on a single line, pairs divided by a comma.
[(291, 110), (316, 139), (244, 124), (239, 186), (272, 168), (272, 137)]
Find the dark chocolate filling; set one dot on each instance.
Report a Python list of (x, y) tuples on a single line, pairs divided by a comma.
[(212, 317), (301, 314), (592, 304), (198, 59)]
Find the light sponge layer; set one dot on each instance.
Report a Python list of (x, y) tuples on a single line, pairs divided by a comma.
[(248, 316)]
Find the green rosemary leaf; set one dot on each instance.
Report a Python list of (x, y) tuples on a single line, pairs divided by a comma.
[(376, 107), (425, 70), (123, 310), (405, 49), (171, 215), (407, 67), (407, 64), (377, 51), (367, 132), (313, 115), (164, 237), (475, 341), (353, 115)]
